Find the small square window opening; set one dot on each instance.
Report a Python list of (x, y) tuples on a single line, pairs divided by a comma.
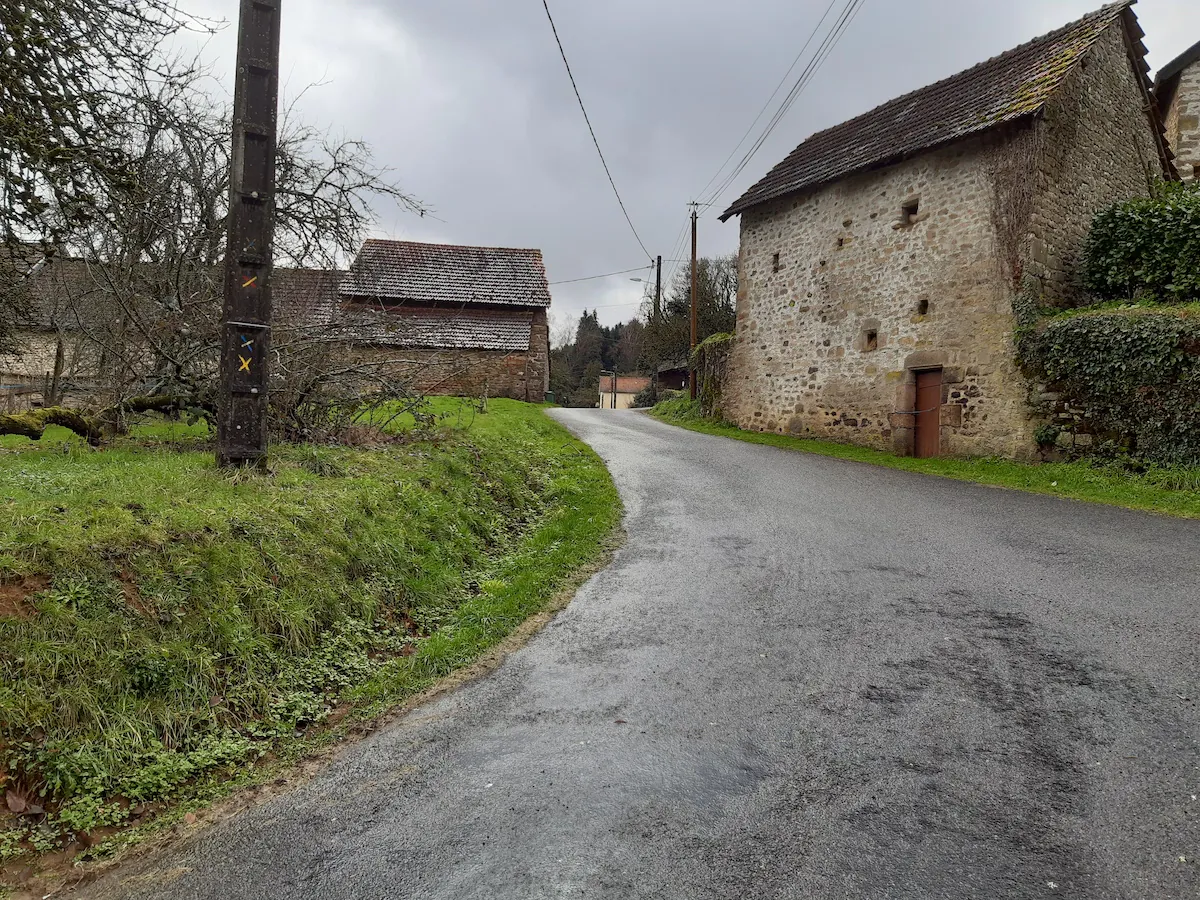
[(841, 243), (923, 307), (872, 341), (908, 212)]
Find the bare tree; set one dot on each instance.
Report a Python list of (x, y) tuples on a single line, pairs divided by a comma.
[(64, 70), (146, 294)]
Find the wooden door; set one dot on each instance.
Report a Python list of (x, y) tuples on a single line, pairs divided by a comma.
[(928, 440)]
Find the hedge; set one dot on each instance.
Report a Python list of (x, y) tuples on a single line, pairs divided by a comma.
[(1147, 248), (1134, 372)]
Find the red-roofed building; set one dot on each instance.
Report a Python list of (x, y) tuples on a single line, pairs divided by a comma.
[(619, 391), (472, 320)]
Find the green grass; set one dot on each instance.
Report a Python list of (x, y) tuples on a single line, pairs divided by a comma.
[(1172, 491), (182, 624)]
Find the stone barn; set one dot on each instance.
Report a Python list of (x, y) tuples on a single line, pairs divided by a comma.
[(884, 262), (463, 321), (1177, 90)]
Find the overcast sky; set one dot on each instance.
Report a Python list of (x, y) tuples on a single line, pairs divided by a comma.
[(468, 102)]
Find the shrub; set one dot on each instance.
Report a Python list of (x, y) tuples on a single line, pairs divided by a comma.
[(646, 398), (1147, 248), (1135, 372)]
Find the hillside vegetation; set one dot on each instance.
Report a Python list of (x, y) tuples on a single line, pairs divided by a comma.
[(164, 625)]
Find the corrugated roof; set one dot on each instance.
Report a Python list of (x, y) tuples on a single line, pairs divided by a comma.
[(405, 271), (1006, 88)]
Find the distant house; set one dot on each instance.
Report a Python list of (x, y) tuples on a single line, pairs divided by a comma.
[(619, 391), (1177, 89), (472, 320), (883, 262)]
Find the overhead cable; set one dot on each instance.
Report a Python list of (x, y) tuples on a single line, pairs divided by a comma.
[(587, 118)]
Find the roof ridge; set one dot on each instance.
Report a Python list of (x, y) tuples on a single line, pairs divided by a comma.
[(1113, 8), (1105, 16), (536, 250)]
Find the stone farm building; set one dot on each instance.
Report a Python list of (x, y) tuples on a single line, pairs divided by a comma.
[(470, 320), (1177, 89), (883, 260), (452, 320)]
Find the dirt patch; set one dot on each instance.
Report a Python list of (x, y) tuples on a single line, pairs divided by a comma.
[(133, 596), (14, 596)]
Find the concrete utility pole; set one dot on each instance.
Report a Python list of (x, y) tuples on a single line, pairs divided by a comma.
[(695, 321), (246, 319), (658, 290)]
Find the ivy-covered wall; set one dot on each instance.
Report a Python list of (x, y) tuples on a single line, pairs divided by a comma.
[(1124, 379), (710, 360)]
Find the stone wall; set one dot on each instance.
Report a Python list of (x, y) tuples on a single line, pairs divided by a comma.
[(1183, 123), (846, 293), (843, 297), (1096, 146)]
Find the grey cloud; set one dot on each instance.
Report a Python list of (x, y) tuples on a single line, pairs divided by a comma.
[(474, 111)]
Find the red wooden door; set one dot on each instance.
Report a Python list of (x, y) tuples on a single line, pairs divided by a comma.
[(928, 441)]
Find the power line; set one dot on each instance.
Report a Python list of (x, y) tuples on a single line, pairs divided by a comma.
[(592, 130), (828, 44), (597, 277), (770, 100)]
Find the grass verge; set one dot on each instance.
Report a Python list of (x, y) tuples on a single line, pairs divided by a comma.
[(169, 632), (1172, 491)]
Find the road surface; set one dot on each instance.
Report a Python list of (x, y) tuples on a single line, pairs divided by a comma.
[(801, 678)]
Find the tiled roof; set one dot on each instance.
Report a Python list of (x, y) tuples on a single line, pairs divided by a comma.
[(404, 271), (305, 298), (1178, 64), (1004, 89), (437, 329)]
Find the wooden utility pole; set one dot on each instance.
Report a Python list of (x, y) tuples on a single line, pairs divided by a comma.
[(246, 318), (658, 291), (695, 300)]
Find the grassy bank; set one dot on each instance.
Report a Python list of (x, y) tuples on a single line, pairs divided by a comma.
[(1173, 491), (166, 628)]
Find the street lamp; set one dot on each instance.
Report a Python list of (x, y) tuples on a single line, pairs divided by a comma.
[(604, 372)]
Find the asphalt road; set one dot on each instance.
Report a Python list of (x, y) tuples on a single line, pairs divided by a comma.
[(802, 678)]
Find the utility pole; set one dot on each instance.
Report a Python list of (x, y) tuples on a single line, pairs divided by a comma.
[(246, 318), (658, 291), (695, 322)]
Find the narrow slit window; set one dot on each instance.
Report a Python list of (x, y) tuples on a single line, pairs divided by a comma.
[(775, 263), (841, 243), (871, 343)]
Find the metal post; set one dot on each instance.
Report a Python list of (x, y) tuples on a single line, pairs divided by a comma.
[(246, 319), (695, 323)]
